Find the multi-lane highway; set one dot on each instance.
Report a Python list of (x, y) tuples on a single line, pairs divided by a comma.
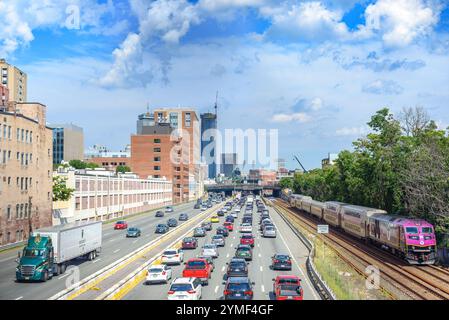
[(115, 246), (259, 269)]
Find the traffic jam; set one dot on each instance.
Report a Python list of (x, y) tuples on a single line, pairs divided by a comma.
[(185, 273)]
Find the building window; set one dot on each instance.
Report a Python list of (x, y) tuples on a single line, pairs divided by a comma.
[(157, 159), (157, 168), (157, 140), (187, 119), (157, 149), (9, 132), (18, 134), (22, 134), (8, 212)]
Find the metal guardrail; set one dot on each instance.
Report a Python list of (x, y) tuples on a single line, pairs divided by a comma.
[(320, 285)]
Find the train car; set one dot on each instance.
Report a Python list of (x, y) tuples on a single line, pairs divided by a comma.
[(293, 198), (286, 194), (412, 239), (332, 211), (317, 209), (306, 204), (299, 201), (355, 219)]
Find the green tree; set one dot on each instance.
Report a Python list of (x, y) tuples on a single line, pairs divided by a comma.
[(122, 169), (60, 190), (286, 183), (78, 164)]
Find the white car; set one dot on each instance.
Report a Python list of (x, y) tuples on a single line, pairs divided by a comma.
[(158, 273), (237, 209), (234, 214), (210, 250), (246, 228), (172, 256), (185, 289)]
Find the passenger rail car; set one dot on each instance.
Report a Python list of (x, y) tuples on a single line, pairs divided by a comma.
[(411, 239)]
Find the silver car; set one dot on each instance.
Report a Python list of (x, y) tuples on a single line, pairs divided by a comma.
[(219, 240), (269, 232), (210, 250)]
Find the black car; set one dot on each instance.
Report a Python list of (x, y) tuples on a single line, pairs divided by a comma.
[(230, 219), (172, 222), (183, 217), (220, 213), (223, 231), (247, 220), (161, 228), (237, 268), (238, 288), (281, 262), (197, 206), (159, 214)]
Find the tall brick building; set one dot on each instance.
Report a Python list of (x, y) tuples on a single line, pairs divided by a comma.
[(160, 150), (25, 170)]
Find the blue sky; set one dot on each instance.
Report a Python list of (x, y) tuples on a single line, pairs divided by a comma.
[(314, 70)]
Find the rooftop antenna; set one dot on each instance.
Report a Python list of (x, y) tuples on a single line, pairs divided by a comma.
[(216, 104)]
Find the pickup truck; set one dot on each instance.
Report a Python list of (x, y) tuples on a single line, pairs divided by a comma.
[(198, 268)]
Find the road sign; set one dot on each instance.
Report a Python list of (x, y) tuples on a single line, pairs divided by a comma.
[(323, 228)]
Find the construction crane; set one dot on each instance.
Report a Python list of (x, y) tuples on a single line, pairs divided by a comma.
[(303, 169)]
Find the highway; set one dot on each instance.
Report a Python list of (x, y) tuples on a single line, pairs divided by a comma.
[(115, 246), (259, 269)]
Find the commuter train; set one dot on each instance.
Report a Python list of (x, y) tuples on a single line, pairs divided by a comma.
[(411, 239)]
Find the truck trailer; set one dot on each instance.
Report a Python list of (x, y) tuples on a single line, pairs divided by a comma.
[(50, 250)]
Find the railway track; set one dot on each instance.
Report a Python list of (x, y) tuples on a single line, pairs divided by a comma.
[(417, 282)]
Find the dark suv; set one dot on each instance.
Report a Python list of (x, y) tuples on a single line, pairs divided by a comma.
[(281, 262), (237, 268), (238, 288)]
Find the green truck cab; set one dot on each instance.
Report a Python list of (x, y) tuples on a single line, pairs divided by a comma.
[(36, 262)]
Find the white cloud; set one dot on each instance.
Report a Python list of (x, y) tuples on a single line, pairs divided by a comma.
[(352, 131), (383, 87), (400, 22), (294, 117)]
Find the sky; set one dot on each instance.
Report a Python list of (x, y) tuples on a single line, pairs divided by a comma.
[(314, 70)]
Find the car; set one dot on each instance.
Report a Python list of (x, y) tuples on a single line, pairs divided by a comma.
[(207, 225), (172, 222), (230, 219), (209, 205), (264, 222), (287, 287), (238, 288), (133, 232), (229, 226), (210, 260), (158, 274), (244, 251), (220, 213), (237, 209), (234, 215), (210, 249), (214, 219), (245, 228), (223, 231), (169, 209), (199, 232), (185, 289), (203, 208), (247, 239), (197, 268), (237, 268), (183, 217), (119, 225), (247, 220), (197, 206), (172, 256), (269, 232), (219, 240), (162, 228), (281, 262), (159, 214), (189, 243)]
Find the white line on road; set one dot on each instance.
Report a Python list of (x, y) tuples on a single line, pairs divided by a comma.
[(223, 269), (227, 256), (96, 260), (260, 256), (216, 289), (135, 241), (258, 245), (19, 298), (116, 250), (63, 276), (261, 268), (232, 245), (262, 288), (113, 239)]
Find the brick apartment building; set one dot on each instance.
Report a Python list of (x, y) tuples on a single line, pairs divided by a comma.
[(111, 163), (160, 150), (25, 170)]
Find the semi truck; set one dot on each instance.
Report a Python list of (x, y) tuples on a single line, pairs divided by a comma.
[(50, 250)]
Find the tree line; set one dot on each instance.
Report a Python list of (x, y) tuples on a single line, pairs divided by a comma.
[(402, 166)]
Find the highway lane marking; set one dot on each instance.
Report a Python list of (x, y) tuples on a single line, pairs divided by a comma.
[(262, 287), (223, 269), (232, 245), (63, 276), (260, 256), (297, 264), (10, 258), (258, 245), (19, 298), (216, 289), (113, 239), (227, 256), (135, 241), (116, 250), (96, 260), (261, 268)]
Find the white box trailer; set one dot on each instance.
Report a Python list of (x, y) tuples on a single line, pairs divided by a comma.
[(74, 240)]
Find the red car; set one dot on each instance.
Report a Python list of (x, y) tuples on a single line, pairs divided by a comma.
[(287, 287), (189, 243), (197, 268), (229, 226), (121, 225), (247, 239)]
